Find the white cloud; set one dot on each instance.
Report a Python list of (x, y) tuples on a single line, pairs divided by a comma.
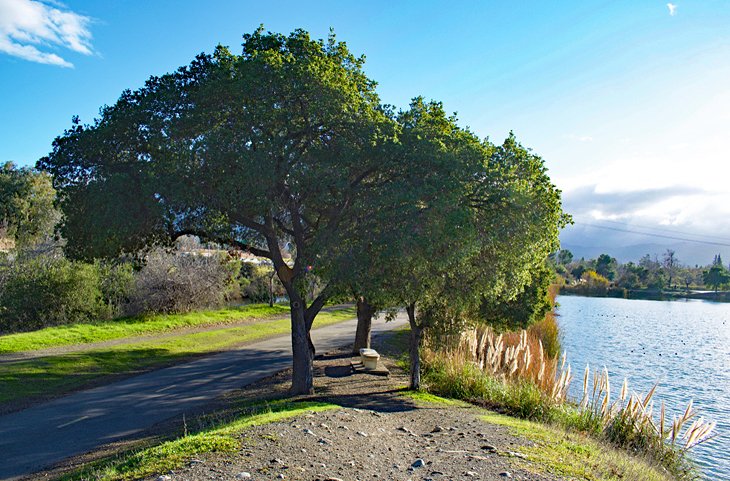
[(28, 27), (672, 9), (579, 138)]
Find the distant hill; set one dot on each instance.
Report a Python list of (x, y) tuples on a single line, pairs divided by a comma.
[(625, 248)]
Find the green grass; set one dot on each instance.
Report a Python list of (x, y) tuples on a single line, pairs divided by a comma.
[(425, 398), (177, 453), (53, 375), (133, 326), (573, 455)]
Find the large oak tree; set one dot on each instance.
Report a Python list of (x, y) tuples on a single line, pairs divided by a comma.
[(268, 151)]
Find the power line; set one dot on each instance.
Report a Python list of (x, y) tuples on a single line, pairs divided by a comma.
[(654, 235), (671, 231)]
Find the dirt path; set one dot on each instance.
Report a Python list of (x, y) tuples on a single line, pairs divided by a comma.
[(378, 434), (60, 350)]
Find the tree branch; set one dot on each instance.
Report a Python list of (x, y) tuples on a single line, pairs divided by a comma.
[(316, 306), (222, 240)]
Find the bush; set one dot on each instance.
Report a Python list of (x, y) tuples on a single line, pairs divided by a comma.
[(48, 291), (181, 282), (259, 283), (117, 285)]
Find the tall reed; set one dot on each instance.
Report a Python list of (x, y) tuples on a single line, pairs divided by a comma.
[(514, 372)]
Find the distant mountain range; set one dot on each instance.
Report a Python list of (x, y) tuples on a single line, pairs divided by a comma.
[(591, 244)]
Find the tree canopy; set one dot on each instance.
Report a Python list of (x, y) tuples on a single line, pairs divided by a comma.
[(286, 147)]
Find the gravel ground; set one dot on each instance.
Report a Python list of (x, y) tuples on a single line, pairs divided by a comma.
[(378, 434)]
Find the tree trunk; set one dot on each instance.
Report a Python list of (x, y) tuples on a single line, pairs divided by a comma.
[(302, 349), (364, 322), (414, 348), (271, 290)]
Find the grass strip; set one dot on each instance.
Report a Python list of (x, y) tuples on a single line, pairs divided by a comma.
[(426, 398), (53, 375), (557, 452), (176, 453), (133, 326)]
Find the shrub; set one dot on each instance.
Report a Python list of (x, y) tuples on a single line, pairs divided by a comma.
[(259, 283), (48, 291), (116, 284), (179, 282)]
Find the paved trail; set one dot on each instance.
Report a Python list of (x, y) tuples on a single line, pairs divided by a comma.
[(48, 433)]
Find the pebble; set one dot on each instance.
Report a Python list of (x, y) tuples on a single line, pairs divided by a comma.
[(505, 474), (471, 474), (437, 429), (164, 477), (360, 433), (243, 475), (280, 476), (308, 431), (418, 463), (333, 479)]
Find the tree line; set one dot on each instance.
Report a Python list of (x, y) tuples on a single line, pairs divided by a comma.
[(287, 149), (655, 273)]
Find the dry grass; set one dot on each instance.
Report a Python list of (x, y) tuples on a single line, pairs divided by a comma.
[(513, 372), (630, 418), (514, 357)]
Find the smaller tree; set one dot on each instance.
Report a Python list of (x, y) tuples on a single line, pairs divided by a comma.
[(606, 266), (564, 257), (526, 308), (27, 214), (716, 277)]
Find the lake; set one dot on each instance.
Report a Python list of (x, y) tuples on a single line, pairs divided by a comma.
[(683, 345)]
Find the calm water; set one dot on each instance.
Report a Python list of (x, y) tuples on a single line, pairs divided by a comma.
[(684, 345)]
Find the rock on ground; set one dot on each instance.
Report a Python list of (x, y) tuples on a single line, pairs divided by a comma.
[(378, 434)]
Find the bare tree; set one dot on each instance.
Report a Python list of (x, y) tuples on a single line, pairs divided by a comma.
[(670, 263)]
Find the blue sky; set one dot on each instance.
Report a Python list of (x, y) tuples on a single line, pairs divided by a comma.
[(628, 102)]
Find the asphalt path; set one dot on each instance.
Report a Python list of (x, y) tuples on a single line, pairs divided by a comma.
[(48, 433)]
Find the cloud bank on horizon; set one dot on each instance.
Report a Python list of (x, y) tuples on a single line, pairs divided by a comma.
[(27, 26)]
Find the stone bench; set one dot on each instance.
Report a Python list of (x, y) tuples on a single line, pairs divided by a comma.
[(369, 358), (369, 363)]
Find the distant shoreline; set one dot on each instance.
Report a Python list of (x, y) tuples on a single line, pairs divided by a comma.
[(646, 294)]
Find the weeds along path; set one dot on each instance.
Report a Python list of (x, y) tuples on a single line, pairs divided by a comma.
[(147, 338)]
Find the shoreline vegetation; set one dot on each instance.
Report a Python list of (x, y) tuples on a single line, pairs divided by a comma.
[(523, 375), (645, 294), (651, 278)]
